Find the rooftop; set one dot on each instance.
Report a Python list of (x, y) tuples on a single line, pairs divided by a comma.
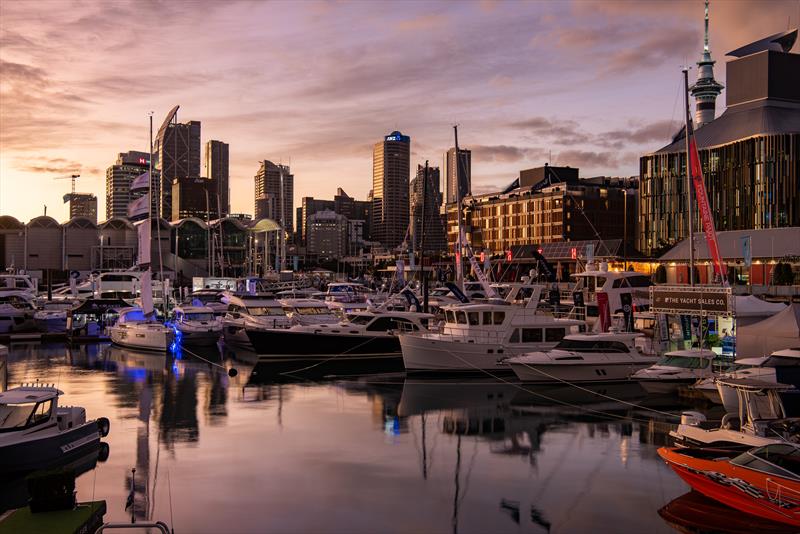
[(765, 243)]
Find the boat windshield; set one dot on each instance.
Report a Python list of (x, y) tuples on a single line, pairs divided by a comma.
[(684, 363), (313, 310), (20, 415), (591, 345), (360, 319), (199, 316), (260, 311), (778, 459)]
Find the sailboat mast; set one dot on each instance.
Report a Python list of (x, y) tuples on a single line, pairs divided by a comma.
[(459, 244), (424, 276), (690, 218)]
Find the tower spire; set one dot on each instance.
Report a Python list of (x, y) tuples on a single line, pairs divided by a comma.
[(706, 89)]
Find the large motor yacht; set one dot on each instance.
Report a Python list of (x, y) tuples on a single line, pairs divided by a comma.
[(614, 284), (16, 311), (478, 337), (366, 335), (603, 357), (197, 325), (254, 312), (308, 311), (35, 432), (676, 368), (135, 330)]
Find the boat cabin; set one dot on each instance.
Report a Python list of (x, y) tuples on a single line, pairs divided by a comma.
[(687, 359), (308, 311), (605, 342), (760, 404), (202, 314), (254, 305), (391, 321), (27, 406)]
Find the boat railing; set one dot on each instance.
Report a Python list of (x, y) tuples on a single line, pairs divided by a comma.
[(784, 496), (160, 525), (472, 336)]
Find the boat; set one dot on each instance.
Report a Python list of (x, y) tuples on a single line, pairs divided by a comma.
[(763, 481), (676, 368), (306, 311), (595, 357), (16, 311), (19, 282), (35, 431), (52, 315), (136, 330), (480, 337), (366, 335), (212, 298), (196, 325), (597, 278), (259, 311), (760, 419)]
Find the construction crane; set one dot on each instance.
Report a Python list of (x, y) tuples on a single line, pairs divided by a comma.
[(72, 177)]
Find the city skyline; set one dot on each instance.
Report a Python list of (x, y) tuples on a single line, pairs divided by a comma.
[(517, 80)]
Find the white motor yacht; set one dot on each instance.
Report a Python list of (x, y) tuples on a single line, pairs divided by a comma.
[(676, 368), (302, 311), (477, 337), (52, 315), (251, 311), (601, 357), (133, 329), (36, 432), (16, 311), (614, 284), (197, 325), (212, 298), (760, 419), (782, 366)]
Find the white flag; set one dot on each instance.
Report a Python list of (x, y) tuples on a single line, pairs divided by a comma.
[(140, 206), (143, 231), (141, 182)]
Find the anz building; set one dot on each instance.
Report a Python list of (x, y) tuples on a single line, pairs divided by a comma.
[(750, 154)]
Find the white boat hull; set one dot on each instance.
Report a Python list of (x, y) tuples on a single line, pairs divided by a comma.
[(575, 372), (158, 339)]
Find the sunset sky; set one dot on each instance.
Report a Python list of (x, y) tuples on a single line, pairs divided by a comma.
[(316, 84)]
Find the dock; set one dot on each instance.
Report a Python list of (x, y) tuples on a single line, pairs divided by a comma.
[(84, 519)]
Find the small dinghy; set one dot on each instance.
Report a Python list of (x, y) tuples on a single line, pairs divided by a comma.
[(35, 432)]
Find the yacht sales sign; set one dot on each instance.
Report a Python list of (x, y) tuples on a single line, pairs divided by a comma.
[(697, 300)]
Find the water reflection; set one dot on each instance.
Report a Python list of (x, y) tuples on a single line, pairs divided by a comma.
[(339, 454)]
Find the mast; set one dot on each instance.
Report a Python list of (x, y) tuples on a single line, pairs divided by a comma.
[(459, 243), (283, 220), (688, 177), (422, 242)]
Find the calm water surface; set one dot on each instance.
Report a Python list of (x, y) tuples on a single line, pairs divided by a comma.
[(377, 453)]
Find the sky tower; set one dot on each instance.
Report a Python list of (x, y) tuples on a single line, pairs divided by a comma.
[(706, 89)]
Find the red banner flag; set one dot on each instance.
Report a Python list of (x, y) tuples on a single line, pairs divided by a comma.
[(703, 206), (603, 310)]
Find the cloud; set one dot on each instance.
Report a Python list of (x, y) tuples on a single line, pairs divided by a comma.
[(561, 131), (588, 159), (657, 131), (505, 153), (60, 166), (423, 22)]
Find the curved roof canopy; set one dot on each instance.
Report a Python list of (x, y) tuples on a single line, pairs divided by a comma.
[(80, 222), (7, 222), (780, 42), (117, 223), (265, 225), (43, 221)]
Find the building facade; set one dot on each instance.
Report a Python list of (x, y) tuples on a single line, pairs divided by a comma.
[(271, 200), (217, 169), (176, 154), (194, 197), (390, 177), (750, 157), (327, 235), (342, 204), (119, 176), (455, 189), (426, 218), (82, 205)]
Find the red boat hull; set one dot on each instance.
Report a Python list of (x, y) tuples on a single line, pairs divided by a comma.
[(749, 491)]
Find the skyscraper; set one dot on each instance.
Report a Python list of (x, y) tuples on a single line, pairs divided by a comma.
[(176, 153), (269, 196), (425, 203), (390, 170), (119, 176), (82, 205), (217, 170), (464, 174), (706, 89)]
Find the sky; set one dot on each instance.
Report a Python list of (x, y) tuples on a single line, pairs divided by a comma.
[(587, 84)]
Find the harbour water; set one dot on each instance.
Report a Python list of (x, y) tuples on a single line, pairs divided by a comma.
[(369, 453)]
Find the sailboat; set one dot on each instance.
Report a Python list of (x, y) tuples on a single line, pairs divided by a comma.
[(138, 327)]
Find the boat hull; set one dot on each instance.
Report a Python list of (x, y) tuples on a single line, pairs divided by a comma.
[(287, 343), (199, 338), (41, 453), (589, 372), (155, 340)]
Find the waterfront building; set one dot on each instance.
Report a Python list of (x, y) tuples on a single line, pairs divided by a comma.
[(464, 187), (82, 205), (750, 155), (426, 201), (194, 197), (327, 234), (390, 174), (176, 154), (217, 169), (342, 204), (269, 195), (706, 89), (119, 176), (309, 207), (544, 205)]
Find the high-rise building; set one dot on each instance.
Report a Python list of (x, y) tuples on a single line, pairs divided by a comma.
[(750, 155), (194, 197), (217, 169), (82, 205), (272, 201), (452, 193), (327, 234), (309, 207), (176, 154), (355, 210), (119, 176), (390, 173), (426, 200), (706, 89)]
